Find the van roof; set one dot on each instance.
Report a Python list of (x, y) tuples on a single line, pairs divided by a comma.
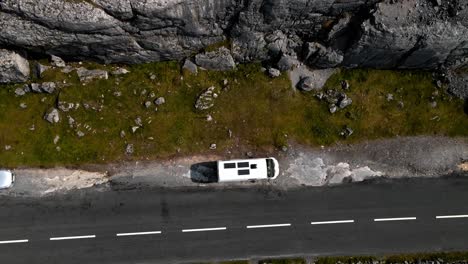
[(239, 170)]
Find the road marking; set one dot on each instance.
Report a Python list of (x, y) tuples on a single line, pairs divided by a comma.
[(139, 233), (72, 237), (332, 222), (394, 219), (14, 241), (451, 216), (266, 226), (203, 229)]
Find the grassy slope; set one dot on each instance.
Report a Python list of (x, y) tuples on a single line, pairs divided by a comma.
[(260, 111)]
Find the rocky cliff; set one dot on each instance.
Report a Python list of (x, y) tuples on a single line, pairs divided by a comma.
[(322, 33)]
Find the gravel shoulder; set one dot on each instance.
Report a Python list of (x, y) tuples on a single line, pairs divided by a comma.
[(301, 166)]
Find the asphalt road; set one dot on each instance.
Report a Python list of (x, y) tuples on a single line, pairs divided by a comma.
[(206, 224)]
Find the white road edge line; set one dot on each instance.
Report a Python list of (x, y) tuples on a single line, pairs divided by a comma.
[(14, 241), (394, 219), (451, 216), (139, 233), (72, 237), (332, 222), (203, 229), (266, 226)]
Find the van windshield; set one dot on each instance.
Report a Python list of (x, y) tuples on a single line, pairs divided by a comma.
[(270, 168)]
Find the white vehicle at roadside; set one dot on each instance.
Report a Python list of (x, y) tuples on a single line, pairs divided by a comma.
[(247, 169), (7, 179)]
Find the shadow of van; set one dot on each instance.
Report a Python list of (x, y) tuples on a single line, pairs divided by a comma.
[(204, 172)]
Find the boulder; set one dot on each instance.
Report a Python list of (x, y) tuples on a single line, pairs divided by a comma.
[(190, 66), (13, 67), (86, 75), (219, 60), (272, 72), (159, 101), (308, 80), (48, 87), (20, 91), (120, 71), (320, 56), (458, 84), (52, 116), (287, 62), (57, 61), (40, 69)]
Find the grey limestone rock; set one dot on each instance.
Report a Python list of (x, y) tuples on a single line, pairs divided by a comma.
[(273, 72), (52, 116), (206, 99), (57, 61), (86, 75), (48, 87), (190, 66), (13, 67), (219, 60), (458, 84), (355, 33)]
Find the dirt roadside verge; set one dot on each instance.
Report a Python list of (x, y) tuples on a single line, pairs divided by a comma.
[(300, 166)]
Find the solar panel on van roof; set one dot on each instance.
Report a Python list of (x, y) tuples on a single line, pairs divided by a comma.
[(242, 164), (243, 172), (229, 165)]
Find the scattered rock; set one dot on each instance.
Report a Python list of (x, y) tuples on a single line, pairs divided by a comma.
[(401, 104), (220, 60), (32, 127), (80, 133), (332, 109), (135, 128), (272, 72), (249, 154), (284, 148), (213, 146), (7, 147), (347, 132), (23, 105), (57, 61), (152, 95), (71, 121), (287, 62), (317, 80), (344, 85), (48, 87), (120, 71), (147, 104), (160, 101), (138, 121), (433, 104), (86, 75), (122, 134), (13, 67), (129, 149), (205, 100), (67, 69), (307, 84), (40, 69), (35, 87), (20, 91), (117, 93), (190, 66), (26, 88), (52, 116), (344, 101), (209, 118), (389, 97), (56, 139)]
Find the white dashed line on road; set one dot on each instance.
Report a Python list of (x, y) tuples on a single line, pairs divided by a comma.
[(203, 229), (451, 216), (394, 219), (72, 237), (266, 226), (14, 241), (139, 233), (332, 222)]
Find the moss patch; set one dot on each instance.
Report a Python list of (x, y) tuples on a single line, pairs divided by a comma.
[(260, 112)]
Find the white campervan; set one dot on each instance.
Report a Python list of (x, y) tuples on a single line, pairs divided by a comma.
[(247, 169)]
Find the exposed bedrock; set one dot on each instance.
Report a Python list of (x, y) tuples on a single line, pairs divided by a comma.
[(351, 33)]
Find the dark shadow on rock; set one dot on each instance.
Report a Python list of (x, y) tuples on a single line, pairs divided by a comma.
[(204, 172)]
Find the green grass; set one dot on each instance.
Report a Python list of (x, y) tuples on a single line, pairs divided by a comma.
[(283, 261), (402, 258), (261, 112)]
